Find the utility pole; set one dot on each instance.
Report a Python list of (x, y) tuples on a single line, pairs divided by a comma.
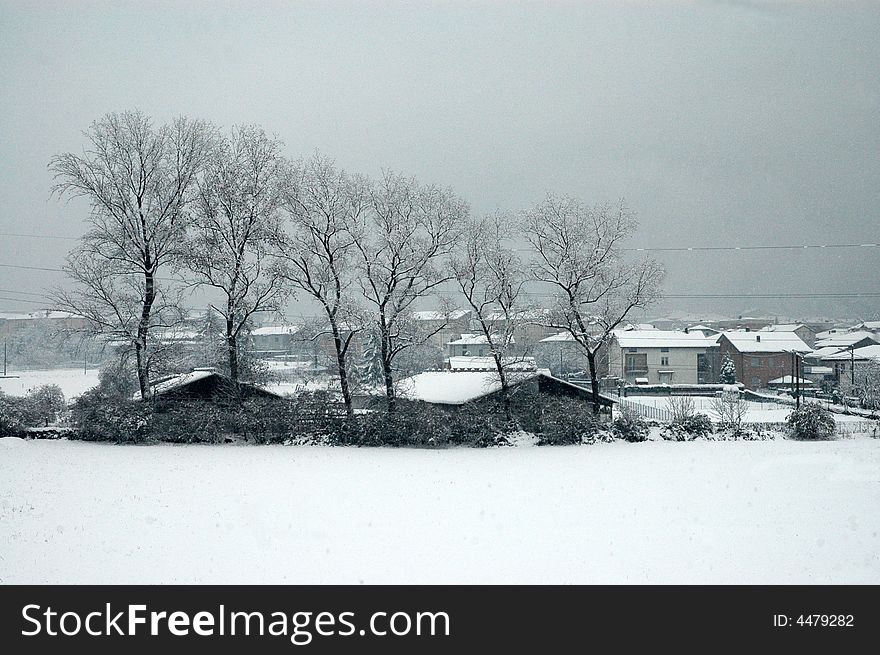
[(797, 360), (852, 365), (4, 357)]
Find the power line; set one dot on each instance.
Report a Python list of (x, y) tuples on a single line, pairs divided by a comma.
[(806, 246), (33, 268), (37, 236), (23, 293), (35, 302)]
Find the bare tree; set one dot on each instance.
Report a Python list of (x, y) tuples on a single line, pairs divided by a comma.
[(490, 276), (138, 179), (236, 222), (578, 253), (731, 409), (326, 206), (401, 241)]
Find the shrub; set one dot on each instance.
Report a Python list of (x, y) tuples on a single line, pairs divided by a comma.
[(688, 428), (629, 426), (565, 421), (11, 414), (44, 404), (811, 422), (97, 416)]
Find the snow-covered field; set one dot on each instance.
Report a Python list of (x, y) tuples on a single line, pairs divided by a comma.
[(73, 381), (661, 512)]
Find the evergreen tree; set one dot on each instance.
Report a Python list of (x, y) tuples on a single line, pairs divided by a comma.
[(369, 370), (728, 371)]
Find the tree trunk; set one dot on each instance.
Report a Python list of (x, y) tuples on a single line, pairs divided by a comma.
[(142, 331), (232, 351), (505, 388), (386, 364), (343, 371), (594, 380)]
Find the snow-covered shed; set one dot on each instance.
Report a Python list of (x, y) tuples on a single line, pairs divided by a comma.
[(457, 387), (204, 384)]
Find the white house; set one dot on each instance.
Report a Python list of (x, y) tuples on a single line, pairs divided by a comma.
[(662, 356)]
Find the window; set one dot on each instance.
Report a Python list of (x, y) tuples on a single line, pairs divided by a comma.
[(770, 362), (664, 361), (631, 350), (664, 350), (636, 363), (756, 362)]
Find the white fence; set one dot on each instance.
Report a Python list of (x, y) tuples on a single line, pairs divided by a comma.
[(645, 411)]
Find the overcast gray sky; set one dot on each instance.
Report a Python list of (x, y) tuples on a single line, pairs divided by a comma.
[(722, 123)]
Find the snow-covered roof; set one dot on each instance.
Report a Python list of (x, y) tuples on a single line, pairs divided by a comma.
[(455, 387), (766, 342), (818, 370), (663, 339), (273, 330), (826, 351), (868, 325), (177, 381), (790, 379), (522, 315), (559, 336), (40, 314), (436, 315), (862, 354), (828, 333), (474, 340), (488, 363), (845, 339), (782, 327)]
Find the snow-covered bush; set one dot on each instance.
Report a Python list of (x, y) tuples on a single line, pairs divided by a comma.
[(629, 426), (97, 416), (811, 421), (687, 428), (565, 421), (44, 404), (11, 413)]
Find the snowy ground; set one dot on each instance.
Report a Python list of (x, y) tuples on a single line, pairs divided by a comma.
[(73, 381), (698, 512)]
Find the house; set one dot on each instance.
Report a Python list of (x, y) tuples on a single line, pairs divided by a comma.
[(805, 332), (471, 345), (662, 357), (443, 326), (868, 326), (563, 355), (530, 326), (857, 339), (12, 323), (848, 364), (203, 384), (285, 339), (760, 357)]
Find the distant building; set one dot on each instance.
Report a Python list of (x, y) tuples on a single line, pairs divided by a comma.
[(662, 357), (11, 323), (806, 333), (471, 345), (277, 339), (446, 326), (857, 339), (761, 356), (850, 364)]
